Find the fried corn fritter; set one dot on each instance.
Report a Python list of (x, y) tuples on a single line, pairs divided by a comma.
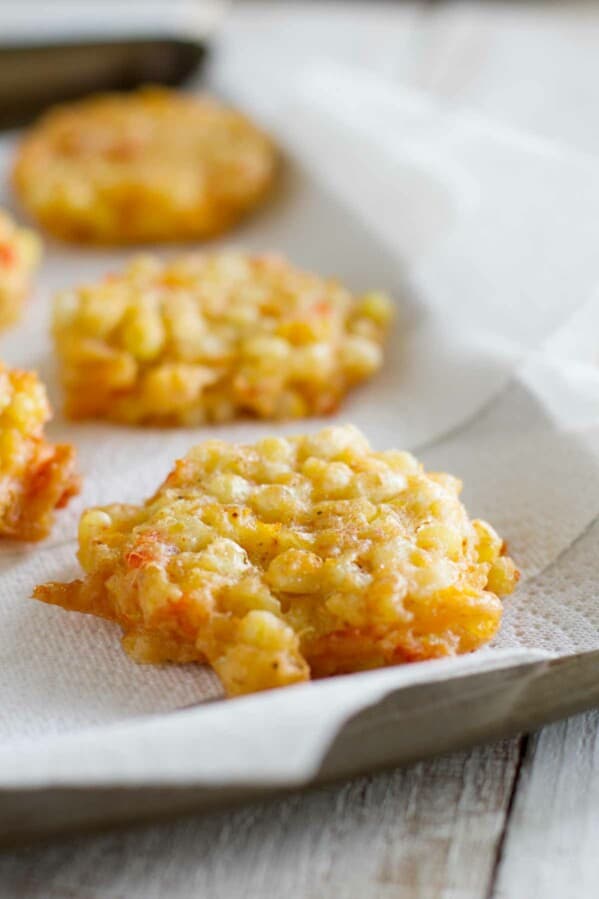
[(20, 251), (290, 559), (209, 338), (155, 165), (36, 477)]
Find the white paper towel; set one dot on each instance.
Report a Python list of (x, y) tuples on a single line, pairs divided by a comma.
[(488, 242)]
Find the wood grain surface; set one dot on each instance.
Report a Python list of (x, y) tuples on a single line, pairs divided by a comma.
[(402, 834), (514, 820)]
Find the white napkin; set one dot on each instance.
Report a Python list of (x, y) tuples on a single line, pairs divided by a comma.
[(487, 239)]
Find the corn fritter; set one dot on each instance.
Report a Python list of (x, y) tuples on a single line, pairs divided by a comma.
[(155, 165), (36, 477), (292, 558), (209, 338)]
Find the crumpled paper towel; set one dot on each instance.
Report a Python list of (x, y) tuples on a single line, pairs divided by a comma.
[(487, 239)]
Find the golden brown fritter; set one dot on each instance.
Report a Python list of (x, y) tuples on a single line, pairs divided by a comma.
[(213, 337), (36, 477), (155, 165), (292, 558)]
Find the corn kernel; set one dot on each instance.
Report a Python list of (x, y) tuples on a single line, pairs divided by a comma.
[(360, 356), (502, 576), (439, 537), (143, 333), (489, 541)]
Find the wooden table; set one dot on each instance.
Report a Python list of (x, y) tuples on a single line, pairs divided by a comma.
[(515, 820)]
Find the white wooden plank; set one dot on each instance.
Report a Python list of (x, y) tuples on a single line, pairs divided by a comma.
[(551, 844), (427, 832)]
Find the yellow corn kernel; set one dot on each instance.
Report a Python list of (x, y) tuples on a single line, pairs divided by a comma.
[(295, 571), (143, 333), (503, 576), (440, 538), (489, 542), (360, 356), (376, 306)]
